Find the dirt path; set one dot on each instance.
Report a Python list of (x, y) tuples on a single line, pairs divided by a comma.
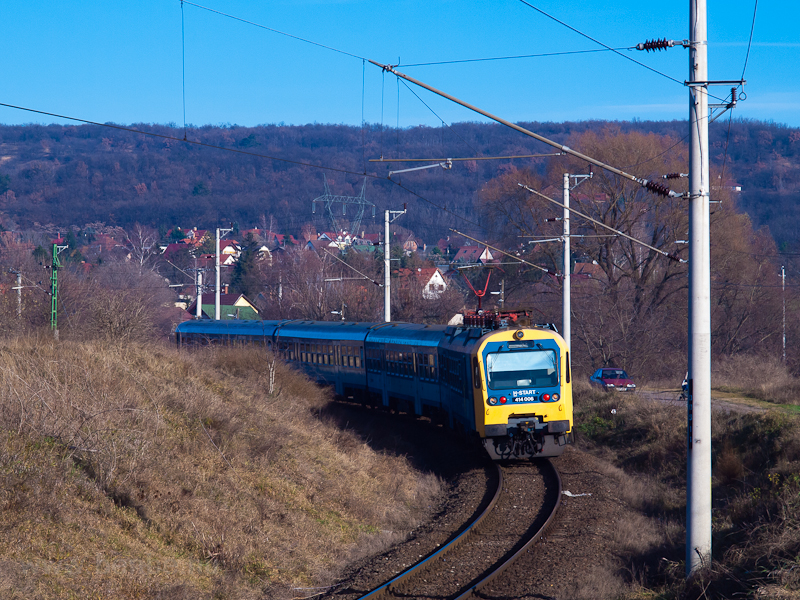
[(740, 405)]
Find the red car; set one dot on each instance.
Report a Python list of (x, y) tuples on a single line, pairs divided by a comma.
[(612, 379)]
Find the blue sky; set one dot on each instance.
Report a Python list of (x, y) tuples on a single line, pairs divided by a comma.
[(122, 61)]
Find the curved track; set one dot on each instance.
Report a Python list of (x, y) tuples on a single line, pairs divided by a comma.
[(500, 534)]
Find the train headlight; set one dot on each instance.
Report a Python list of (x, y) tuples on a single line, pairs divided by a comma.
[(555, 397), (546, 397), (518, 334), (492, 401), (503, 399)]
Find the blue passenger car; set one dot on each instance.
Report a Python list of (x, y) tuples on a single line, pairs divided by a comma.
[(509, 386)]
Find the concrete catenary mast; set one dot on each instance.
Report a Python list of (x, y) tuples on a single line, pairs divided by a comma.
[(698, 490)]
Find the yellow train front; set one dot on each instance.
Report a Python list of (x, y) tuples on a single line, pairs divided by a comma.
[(522, 393)]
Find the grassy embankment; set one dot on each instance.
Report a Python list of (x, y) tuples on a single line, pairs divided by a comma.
[(756, 483), (137, 472)]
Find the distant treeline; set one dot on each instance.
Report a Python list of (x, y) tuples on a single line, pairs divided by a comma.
[(72, 175)]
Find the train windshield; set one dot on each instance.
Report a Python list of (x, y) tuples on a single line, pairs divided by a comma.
[(530, 368)]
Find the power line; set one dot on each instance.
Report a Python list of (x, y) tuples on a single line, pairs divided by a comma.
[(437, 116), (750, 41), (607, 47), (187, 141), (183, 69), (546, 54), (294, 37), (245, 152)]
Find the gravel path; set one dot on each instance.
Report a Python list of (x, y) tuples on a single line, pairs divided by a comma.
[(581, 557)]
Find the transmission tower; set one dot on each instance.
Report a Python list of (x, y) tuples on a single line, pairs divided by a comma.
[(360, 202)]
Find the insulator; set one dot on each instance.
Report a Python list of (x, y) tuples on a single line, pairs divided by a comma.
[(657, 188), (654, 45), (674, 175), (733, 95)]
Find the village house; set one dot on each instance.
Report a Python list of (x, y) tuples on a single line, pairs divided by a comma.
[(232, 306), (430, 280), (473, 254)]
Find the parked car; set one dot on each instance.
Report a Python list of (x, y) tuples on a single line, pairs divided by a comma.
[(612, 379)]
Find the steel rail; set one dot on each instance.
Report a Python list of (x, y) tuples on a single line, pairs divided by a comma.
[(534, 538), (387, 587)]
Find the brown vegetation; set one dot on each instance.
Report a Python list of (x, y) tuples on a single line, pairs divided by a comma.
[(632, 310), (134, 472), (756, 492)]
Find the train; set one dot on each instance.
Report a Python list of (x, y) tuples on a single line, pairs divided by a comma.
[(496, 376)]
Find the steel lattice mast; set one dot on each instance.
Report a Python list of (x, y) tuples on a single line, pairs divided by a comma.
[(329, 199)]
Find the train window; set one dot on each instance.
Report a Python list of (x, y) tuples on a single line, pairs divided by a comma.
[(476, 373)]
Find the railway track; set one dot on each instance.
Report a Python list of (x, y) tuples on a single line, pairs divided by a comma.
[(522, 508)]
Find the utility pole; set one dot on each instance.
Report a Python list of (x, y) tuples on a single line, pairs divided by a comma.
[(783, 289), (18, 287), (220, 232), (502, 294), (199, 307), (566, 292), (390, 216), (698, 485), (19, 305), (566, 309), (55, 266)]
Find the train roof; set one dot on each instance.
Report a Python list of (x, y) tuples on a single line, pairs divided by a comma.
[(326, 330), (407, 334), (228, 327)]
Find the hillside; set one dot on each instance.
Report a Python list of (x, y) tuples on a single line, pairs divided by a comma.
[(135, 472), (74, 175)]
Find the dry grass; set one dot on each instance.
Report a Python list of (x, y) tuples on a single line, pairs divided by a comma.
[(756, 494), (135, 472), (763, 378)]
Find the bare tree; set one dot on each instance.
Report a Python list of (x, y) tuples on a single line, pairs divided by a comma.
[(141, 246)]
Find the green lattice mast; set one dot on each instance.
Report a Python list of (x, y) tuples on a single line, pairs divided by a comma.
[(54, 291)]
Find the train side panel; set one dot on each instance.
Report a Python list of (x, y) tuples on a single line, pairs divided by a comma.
[(510, 387)]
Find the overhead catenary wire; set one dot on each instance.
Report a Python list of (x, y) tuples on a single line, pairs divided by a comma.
[(596, 41), (519, 56), (183, 68), (367, 277), (503, 252), (750, 40), (295, 37), (425, 104), (245, 152), (651, 185), (601, 224), (382, 159)]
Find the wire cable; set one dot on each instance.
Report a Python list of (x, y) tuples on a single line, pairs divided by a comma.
[(750, 41), (193, 142), (363, 133), (425, 104), (367, 277), (546, 54), (247, 153), (607, 47), (294, 37), (183, 69)]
